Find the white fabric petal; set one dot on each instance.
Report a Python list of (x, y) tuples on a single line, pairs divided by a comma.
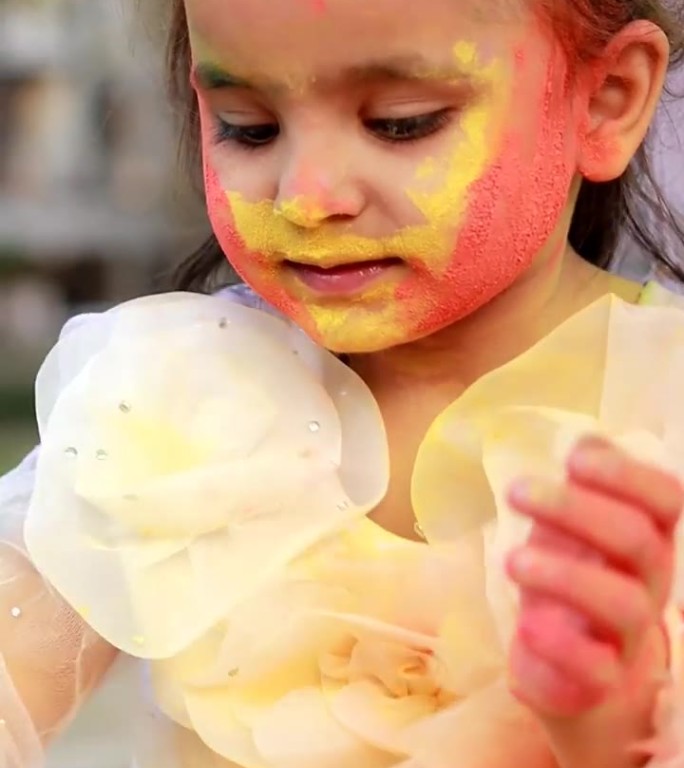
[(177, 474)]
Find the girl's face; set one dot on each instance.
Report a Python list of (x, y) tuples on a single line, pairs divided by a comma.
[(379, 169)]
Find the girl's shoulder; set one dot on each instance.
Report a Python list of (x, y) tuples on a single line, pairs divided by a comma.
[(664, 292), (240, 293), (16, 488)]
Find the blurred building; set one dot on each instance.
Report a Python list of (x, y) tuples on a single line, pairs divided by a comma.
[(90, 210)]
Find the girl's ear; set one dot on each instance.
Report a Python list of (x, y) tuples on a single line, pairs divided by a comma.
[(627, 85)]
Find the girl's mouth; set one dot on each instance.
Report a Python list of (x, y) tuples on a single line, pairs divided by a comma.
[(344, 279)]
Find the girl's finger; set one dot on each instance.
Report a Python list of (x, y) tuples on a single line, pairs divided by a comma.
[(615, 604), (603, 467), (593, 667), (619, 532), (542, 687)]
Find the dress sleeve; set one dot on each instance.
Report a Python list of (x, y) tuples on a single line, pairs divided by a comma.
[(49, 658)]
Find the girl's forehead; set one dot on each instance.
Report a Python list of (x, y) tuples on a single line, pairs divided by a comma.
[(312, 32), (235, 18)]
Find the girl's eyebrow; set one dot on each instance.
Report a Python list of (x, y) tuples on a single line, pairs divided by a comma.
[(211, 77)]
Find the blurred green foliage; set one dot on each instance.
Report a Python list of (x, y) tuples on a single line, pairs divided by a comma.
[(17, 438), (13, 262), (18, 432), (16, 403)]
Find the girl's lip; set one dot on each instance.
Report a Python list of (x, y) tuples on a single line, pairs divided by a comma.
[(342, 280)]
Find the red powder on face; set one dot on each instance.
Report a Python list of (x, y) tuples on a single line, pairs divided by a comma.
[(513, 210), (243, 260)]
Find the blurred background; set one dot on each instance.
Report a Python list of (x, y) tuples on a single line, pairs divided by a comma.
[(92, 209)]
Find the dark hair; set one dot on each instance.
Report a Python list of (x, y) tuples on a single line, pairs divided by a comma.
[(632, 204)]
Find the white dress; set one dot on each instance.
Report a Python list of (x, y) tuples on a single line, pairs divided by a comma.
[(200, 501)]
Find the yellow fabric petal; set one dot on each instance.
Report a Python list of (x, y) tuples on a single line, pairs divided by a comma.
[(487, 730), (516, 443), (214, 721), (226, 680), (376, 717), (450, 490), (403, 583), (300, 732), (283, 628)]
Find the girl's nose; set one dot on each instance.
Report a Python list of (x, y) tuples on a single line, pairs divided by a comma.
[(316, 188)]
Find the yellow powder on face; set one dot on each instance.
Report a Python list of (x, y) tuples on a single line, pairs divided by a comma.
[(268, 230), (301, 211), (380, 323), (427, 169), (384, 327)]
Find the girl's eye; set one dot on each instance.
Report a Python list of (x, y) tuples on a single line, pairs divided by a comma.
[(406, 129), (248, 136), (394, 130)]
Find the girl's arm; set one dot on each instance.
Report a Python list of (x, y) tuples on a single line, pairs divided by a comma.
[(49, 658)]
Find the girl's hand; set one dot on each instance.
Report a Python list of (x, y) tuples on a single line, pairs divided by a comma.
[(594, 578)]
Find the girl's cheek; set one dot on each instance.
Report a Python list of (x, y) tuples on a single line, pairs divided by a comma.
[(220, 214), (218, 206)]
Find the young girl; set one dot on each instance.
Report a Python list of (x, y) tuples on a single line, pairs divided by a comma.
[(319, 545)]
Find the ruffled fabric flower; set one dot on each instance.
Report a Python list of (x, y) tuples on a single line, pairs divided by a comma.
[(342, 663), (614, 370), (190, 448)]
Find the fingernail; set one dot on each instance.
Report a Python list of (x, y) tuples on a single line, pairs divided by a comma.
[(533, 491), (596, 460), (593, 441), (520, 562)]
